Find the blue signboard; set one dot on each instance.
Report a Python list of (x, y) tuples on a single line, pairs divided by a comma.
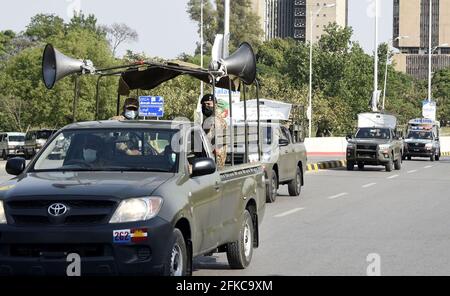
[(151, 106)]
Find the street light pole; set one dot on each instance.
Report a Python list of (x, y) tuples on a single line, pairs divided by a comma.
[(311, 20), (430, 40), (390, 42), (201, 45), (375, 75)]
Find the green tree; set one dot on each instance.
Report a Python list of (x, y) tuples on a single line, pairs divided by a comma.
[(43, 26), (441, 90), (244, 23)]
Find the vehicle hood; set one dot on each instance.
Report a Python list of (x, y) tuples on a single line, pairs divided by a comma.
[(421, 141), (369, 141), (93, 184)]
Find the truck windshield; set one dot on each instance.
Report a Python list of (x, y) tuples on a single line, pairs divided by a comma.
[(373, 133), (16, 138), (110, 150), (420, 135)]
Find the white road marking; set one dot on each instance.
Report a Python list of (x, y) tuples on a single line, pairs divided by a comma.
[(393, 177), (338, 195), (428, 167), (369, 185), (289, 213), (412, 172)]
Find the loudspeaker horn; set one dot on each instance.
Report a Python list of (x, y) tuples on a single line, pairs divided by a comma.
[(56, 66), (242, 63)]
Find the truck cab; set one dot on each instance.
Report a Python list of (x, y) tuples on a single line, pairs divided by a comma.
[(11, 144), (283, 156)]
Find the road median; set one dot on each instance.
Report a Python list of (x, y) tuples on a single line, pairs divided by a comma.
[(326, 165)]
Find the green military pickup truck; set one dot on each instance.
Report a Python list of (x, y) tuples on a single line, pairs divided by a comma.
[(375, 143), (284, 158), (130, 197)]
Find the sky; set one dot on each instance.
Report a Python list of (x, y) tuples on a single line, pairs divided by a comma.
[(164, 27)]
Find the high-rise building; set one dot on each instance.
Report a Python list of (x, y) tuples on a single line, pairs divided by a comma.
[(290, 18), (412, 19)]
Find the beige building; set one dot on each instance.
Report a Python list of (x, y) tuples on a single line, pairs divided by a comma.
[(411, 18), (290, 18), (337, 14)]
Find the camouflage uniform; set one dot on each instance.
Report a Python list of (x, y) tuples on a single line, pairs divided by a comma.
[(219, 148)]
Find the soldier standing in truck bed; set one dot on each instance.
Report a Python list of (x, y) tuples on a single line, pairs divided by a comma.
[(215, 126)]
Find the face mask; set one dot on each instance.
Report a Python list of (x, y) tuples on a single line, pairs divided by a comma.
[(130, 114), (208, 111), (89, 155)]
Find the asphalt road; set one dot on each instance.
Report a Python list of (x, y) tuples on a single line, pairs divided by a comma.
[(342, 217)]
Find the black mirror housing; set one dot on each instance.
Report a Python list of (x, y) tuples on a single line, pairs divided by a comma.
[(349, 136), (203, 167), (283, 142), (15, 166)]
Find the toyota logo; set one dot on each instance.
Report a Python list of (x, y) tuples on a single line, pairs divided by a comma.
[(57, 210)]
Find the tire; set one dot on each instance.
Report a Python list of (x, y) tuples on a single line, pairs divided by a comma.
[(398, 164), (437, 157), (239, 254), (432, 158), (350, 166), (390, 166), (27, 156), (409, 157), (272, 188), (177, 259), (4, 155), (361, 166), (295, 186)]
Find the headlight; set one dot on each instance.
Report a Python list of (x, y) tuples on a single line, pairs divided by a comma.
[(2, 213), (137, 209), (429, 146), (351, 146), (384, 147)]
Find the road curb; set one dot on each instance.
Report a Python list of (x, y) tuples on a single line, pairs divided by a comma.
[(325, 165), (445, 153)]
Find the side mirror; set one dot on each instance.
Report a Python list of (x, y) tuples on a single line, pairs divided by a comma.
[(349, 137), (203, 167), (15, 166), (283, 142), (437, 139)]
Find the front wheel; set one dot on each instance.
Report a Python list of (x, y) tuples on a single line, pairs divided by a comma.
[(177, 260), (398, 164), (239, 253), (5, 155), (350, 166), (389, 166), (437, 157), (295, 186), (272, 188)]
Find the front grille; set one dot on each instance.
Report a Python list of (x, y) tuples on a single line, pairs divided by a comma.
[(34, 211), (416, 145), (48, 250), (366, 147)]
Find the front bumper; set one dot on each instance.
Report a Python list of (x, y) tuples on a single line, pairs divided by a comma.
[(44, 250), (368, 157), (15, 151)]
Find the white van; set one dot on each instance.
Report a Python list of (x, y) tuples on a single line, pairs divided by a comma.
[(11, 144)]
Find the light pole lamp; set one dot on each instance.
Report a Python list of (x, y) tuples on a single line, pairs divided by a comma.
[(389, 44), (311, 20)]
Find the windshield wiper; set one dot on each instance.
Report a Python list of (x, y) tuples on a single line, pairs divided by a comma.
[(133, 169)]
